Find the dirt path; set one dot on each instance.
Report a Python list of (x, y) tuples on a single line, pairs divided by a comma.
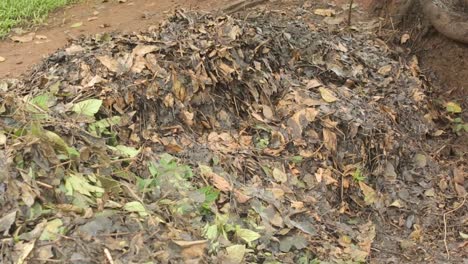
[(96, 17)]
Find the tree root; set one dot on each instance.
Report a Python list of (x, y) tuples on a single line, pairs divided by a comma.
[(446, 20)]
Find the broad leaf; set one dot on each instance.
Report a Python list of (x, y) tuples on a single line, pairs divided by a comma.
[(88, 107)]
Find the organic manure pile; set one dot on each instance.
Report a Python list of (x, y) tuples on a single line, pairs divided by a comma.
[(210, 139)]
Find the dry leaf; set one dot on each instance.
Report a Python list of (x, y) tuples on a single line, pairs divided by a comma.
[(109, 62), (177, 87), (25, 38), (300, 120), (385, 70), (327, 95), (2, 59), (459, 181), (370, 196), (220, 183), (241, 197), (329, 139), (324, 12), (404, 38), (326, 176), (191, 249), (279, 175)]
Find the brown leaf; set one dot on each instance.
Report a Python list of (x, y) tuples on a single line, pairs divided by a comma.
[(25, 38), (191, 249), (459, 176), (267, 112), (109, 62), (326, 176), (177, 87), (370, 196), (220, 183), (142, 50), (300, 120), (329, 139), (279, 175), (241, 197)]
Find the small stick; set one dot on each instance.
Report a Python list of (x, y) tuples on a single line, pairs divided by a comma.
[(108, 256), (445, 225), (350, 12)]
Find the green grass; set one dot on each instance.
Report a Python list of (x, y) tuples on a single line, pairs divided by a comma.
[(25, 12)]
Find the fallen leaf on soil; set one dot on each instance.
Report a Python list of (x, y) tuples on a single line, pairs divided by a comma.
[(235, 254), (459, 181), (279, 175), (52, 230), (326, 176), (74, 49), (76, 25), (241, 197), (41, 37), (247, 235), (300, 120), (25, 38), (453, 107), (385, 70), (6, 221), (2, 59), (329, 139), (325, 12), (404, 38), (370, 196), (110, 63), (327, 95), (191, 249), (24, 250)]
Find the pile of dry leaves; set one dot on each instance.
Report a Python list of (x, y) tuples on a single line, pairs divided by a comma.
[(254, 140)]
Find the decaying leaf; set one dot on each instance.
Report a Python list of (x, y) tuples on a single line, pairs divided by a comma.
[(324, 12), (235, 254), (327, 95), (300, 120), (370, 196), (52, 230), (136, 207), (247, 235), (6, 221), (24, 38), (279, 175), (453, 107)]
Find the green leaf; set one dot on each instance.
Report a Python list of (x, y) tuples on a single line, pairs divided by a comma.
[(52, 230), (247, 235), (88, 107), (56, 141), (129, 152), (136, 207), (453, 107), (78, 183), (41, 101), (211, 232), (99, 126)]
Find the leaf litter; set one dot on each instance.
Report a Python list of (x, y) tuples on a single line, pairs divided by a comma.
[(215, 139)]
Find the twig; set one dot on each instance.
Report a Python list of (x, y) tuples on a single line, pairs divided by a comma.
[(350, 11), (108, 256), (445, 225)]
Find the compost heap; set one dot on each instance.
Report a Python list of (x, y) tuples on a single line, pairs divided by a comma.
[(258, 140)]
